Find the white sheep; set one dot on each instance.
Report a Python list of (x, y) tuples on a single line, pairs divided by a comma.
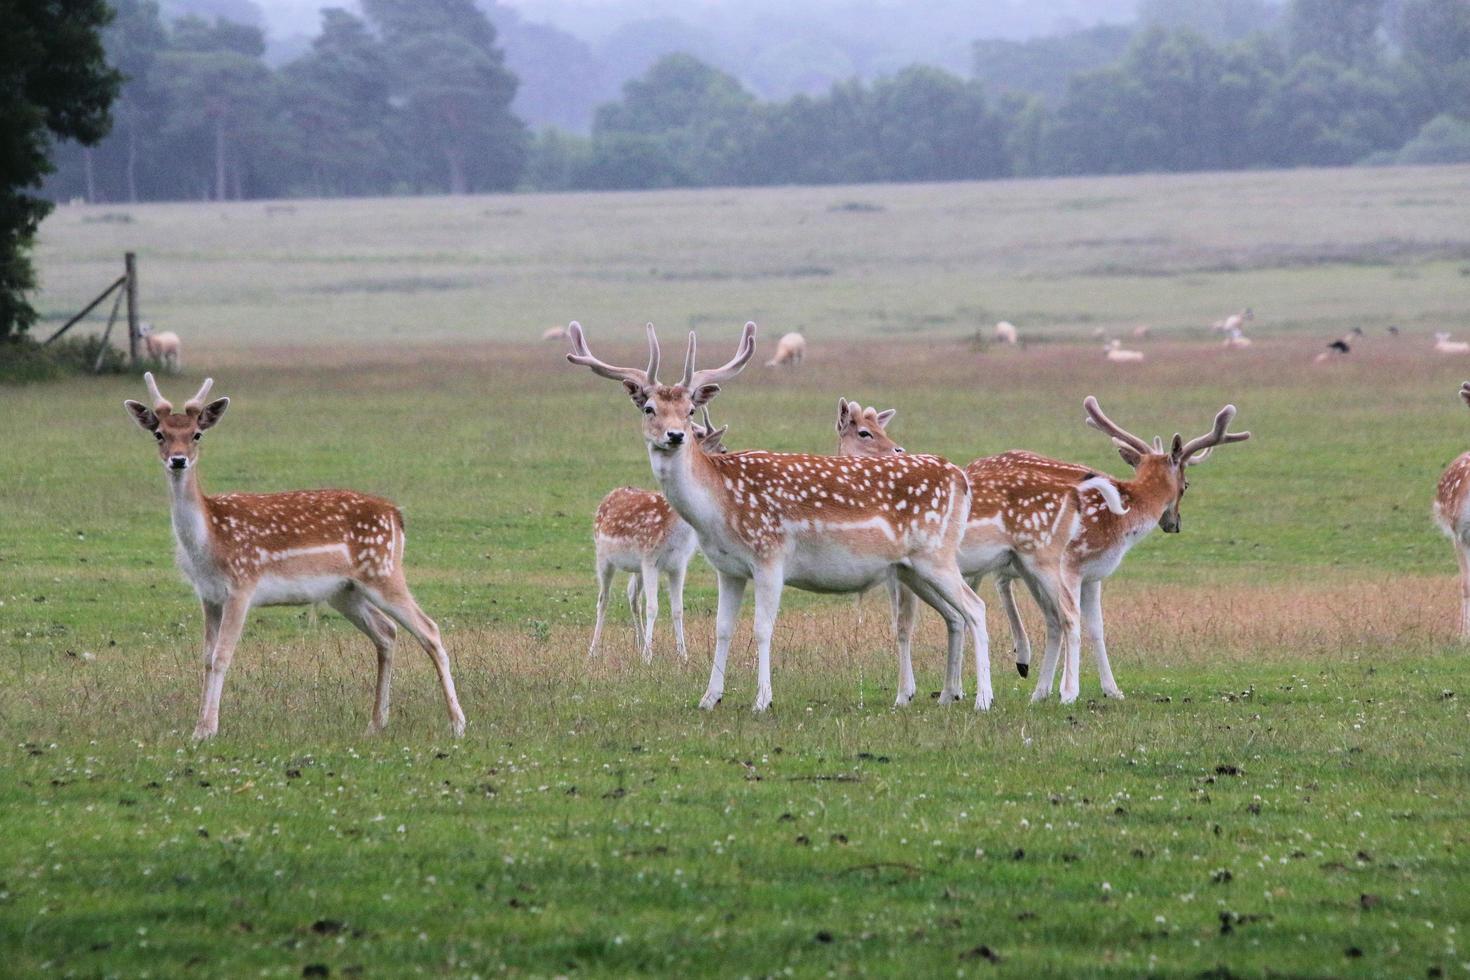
[(1141, 332), (162, 347), (1118, 354), (554, 333), (1234, 321), (790, 349), (1444, 345), (1005, 332)]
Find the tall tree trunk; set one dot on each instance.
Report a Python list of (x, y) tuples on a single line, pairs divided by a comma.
[(132, 165), (91, 177), (455, 158), (221, 187)]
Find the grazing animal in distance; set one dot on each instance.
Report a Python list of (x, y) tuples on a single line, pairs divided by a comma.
[(1005, 332), (554, 333), (162, 347), (1339, 347), (1235, 321), (1393, 330), (1444, 345), (1452, 514), (790, 350), (1063, 528), (1142, 331), (242, 550), (636, 531), (1237, 340), (1116, 352), (821, 523)]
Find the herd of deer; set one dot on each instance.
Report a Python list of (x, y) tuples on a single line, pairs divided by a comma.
[(872, 515)]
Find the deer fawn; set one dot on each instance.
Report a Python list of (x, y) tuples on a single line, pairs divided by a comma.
[(243, 550), (821, 523), (1062, 529), (1452, 514), (637, 531)]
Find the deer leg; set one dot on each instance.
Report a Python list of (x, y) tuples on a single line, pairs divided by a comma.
[(768, 585), (732, 593), (355, 608), (950, 587), (1068, 597), (1021, 645), (954, 623), (1462, 551), (676, 607), (212, 613), (650, 603), (231, 625), (904, 606), (1092, 620), (605, 573), (635, 607), (398, 603), (1043, 588)]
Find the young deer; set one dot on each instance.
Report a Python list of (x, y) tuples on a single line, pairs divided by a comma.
[(821, 523), (1062, 529), (241, 550), (1452, 514), (637, 531)]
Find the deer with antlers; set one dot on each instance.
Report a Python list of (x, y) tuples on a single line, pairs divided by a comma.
[(636, 531), (1452, 514), (242, 550), (1063, 528), (820, 523)]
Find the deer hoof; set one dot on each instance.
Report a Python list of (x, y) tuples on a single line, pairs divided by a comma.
[(1023, 669)]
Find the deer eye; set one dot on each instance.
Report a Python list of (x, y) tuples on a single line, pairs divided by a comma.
[(198, 436), (647, 409), (865, 434), (158, 435)]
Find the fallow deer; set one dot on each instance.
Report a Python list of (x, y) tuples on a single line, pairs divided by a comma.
[(790, 350), (820, 523), (242, 550), (637, 531), (1063, 528), (163, 347), (1452, 514)]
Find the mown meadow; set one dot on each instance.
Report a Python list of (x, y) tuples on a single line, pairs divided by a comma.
[(1283, 791)]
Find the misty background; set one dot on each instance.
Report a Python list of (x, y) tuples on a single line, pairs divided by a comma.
[(239, 99)]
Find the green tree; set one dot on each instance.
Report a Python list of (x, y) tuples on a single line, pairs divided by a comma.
[(335, 101), (1345, 31), (54, 83), (456, 130), (1435, 35)]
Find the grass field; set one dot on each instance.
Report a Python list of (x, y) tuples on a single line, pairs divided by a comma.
[(1284, 791)]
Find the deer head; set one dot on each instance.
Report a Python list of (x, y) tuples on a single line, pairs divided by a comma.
[(178, 433), (1167, 466), (863, 431), (709, 438), (668, 410)]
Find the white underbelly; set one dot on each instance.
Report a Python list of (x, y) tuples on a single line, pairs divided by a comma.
[(303, 591), (830, 567)]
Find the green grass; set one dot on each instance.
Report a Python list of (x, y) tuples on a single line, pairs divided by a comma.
[(1284, 784)]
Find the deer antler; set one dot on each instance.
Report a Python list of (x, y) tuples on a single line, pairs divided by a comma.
[(161, 405), (582, 354), (694, 379), (1202, 445), (196, 404), (1102, 423)]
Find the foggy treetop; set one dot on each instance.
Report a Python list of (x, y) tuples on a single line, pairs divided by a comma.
[(432, 96)]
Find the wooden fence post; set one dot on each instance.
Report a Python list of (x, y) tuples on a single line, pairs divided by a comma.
[(130, 266)]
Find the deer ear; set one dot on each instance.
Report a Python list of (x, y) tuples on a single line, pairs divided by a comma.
[(1130, 455), (886, 416), (705, 394), (1176, 450), (844, 419), (636, 391), (142, 414), (210, 415)]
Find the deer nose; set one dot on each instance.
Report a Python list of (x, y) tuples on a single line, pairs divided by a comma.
[(899, 449), (675, 437), (178, 462)]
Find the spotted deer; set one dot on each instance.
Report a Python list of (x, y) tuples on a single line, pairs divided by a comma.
[(242, 550), (820, 523), (1063, 528), (637, 531), (1452, 514)]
